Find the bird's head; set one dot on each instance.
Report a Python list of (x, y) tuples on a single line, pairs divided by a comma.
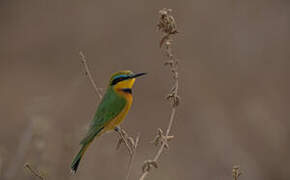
[(124, 80)]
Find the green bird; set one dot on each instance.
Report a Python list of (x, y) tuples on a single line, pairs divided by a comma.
[(111, 112)]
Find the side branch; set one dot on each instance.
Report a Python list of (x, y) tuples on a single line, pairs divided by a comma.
[(148, 164), (88, 73), (34, 172), (167, 26)]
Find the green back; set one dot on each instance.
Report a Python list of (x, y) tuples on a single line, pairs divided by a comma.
[(111, 105)]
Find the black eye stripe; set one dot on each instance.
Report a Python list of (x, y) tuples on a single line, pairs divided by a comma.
[(116, 80)]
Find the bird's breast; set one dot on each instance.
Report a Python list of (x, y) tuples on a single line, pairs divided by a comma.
[(121, 116)]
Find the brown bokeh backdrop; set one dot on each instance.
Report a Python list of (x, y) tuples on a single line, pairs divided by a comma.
[(234, 86)]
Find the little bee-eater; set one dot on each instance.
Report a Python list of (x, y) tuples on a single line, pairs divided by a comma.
[(111, 111)]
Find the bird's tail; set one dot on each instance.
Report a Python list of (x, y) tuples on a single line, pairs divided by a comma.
[(78, 157)]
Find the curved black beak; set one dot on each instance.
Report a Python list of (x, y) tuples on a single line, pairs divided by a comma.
[(137, 75)]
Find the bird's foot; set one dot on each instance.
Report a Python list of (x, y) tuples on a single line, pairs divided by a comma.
[(117, 129)]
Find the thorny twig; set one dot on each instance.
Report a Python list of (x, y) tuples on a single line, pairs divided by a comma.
[(236, 172), (130, 143), (33, 171), (167, 26)]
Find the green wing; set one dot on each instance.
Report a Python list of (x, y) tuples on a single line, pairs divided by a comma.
[(111, 105)]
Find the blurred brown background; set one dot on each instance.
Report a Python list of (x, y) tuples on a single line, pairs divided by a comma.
[(234, 86)]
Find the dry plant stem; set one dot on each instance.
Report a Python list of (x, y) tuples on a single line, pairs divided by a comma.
[(168, 27), (130, 143), (122, 133), (33, 172), (132, 156), (88, 73), (145, 173)]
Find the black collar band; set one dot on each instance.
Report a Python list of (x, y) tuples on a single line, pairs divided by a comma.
[(127, 90)]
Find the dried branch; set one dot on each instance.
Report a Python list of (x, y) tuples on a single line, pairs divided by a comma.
[(130, 143), (88, 73), (124, 138), (134, 147), (167, 26), (33, 171)]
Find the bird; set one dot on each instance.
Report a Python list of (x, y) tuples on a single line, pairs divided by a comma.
[(111, 111)]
